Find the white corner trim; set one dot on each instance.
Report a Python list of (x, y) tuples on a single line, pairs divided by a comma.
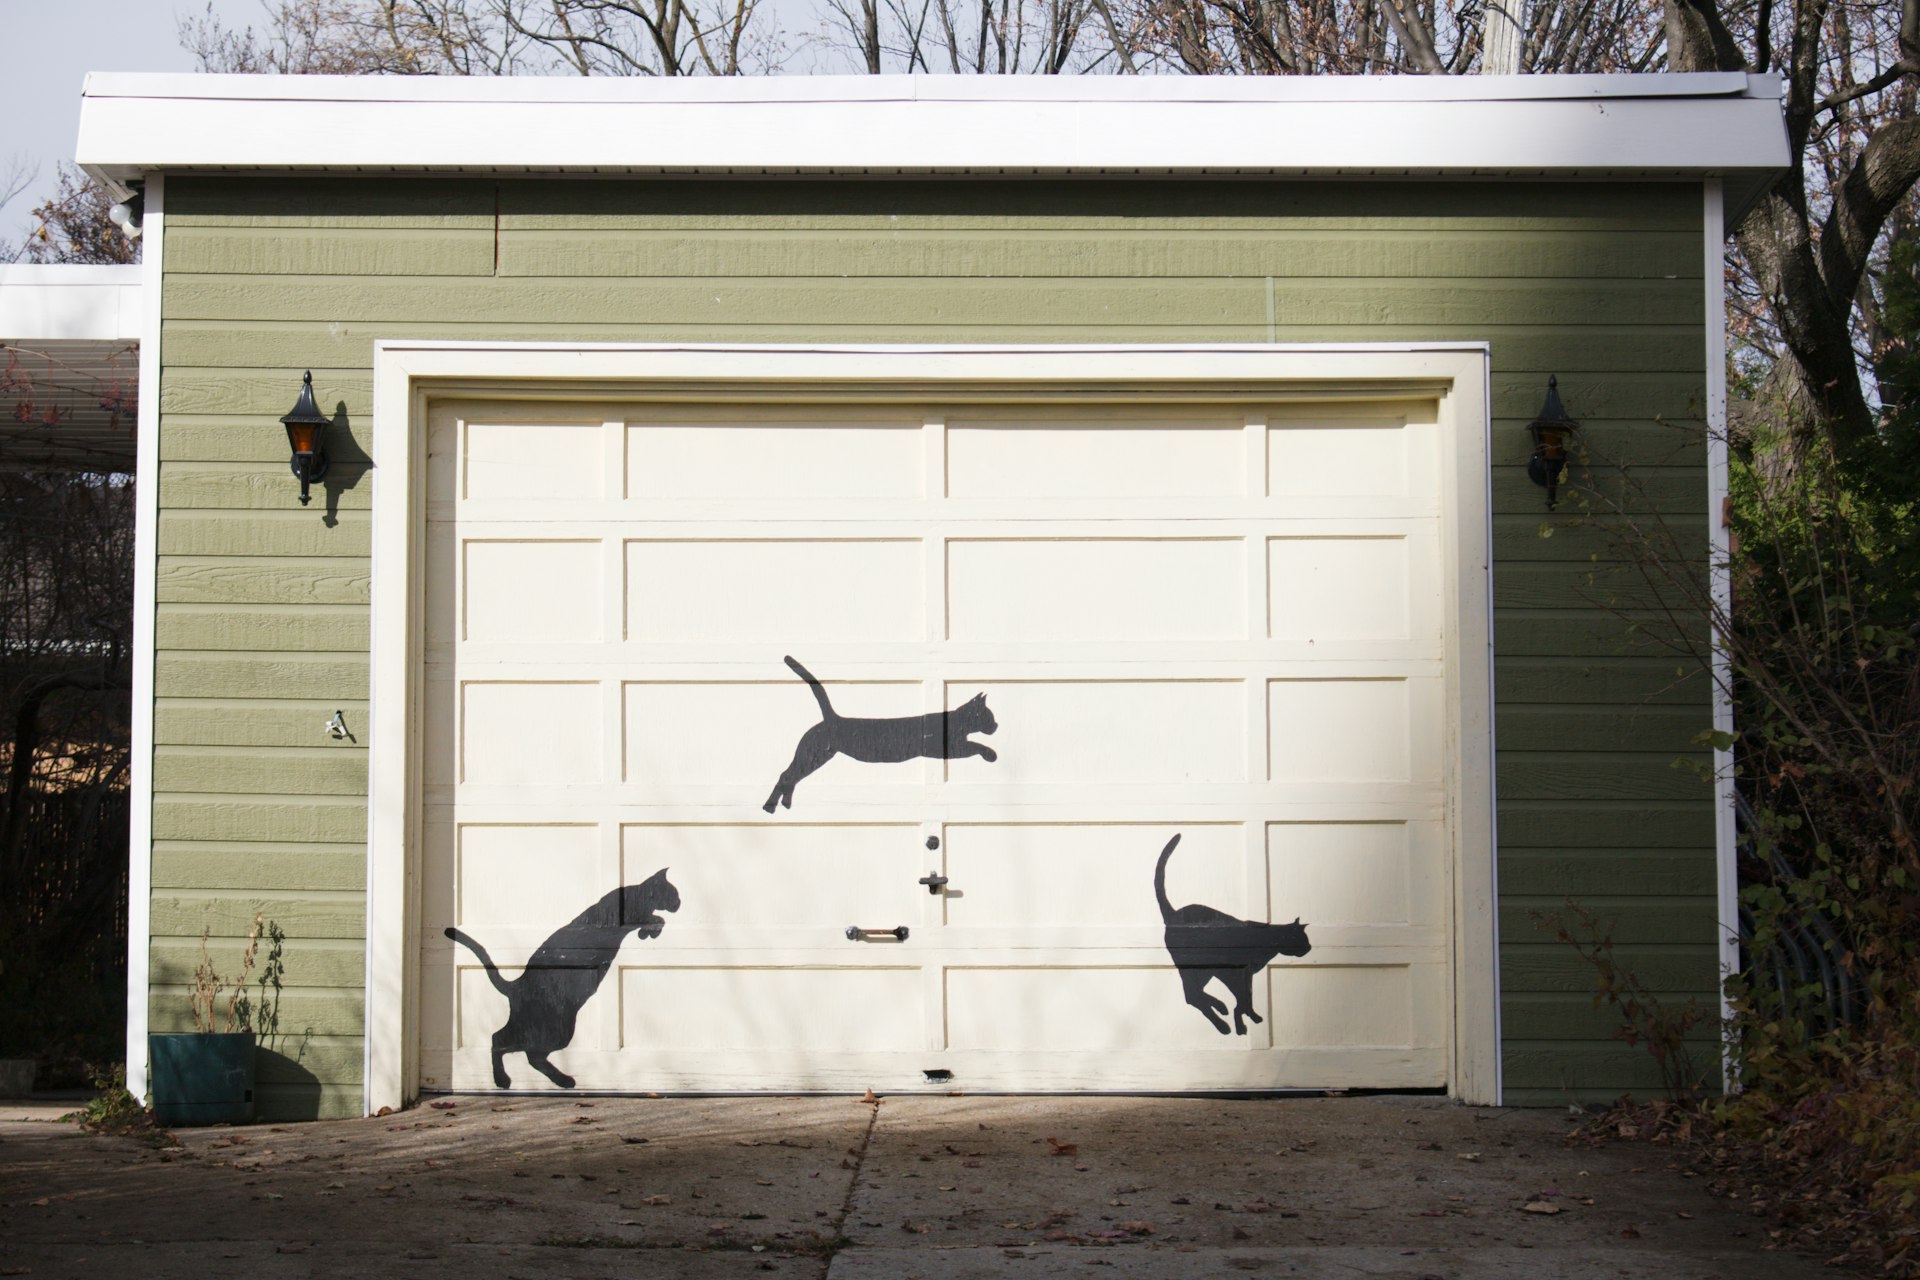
[(407, 373), (1720, 584), (146, 520), (1492, 748)]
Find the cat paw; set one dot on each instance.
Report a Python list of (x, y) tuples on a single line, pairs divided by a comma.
[(989, 754)]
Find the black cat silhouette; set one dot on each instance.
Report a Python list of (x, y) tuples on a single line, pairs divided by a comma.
[(1206, 943), (545, 1000), (942, 735)]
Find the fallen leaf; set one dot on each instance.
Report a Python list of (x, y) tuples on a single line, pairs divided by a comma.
[(636, 1140), (1471, 1157), (42, 1202), (1628, 1233), (384, 1111), (1682, 1214), (657, 1200), (871, 1097), (1540, 1206), (443, 1106), (1063, 1148), (763, 1182), (1136, 1228)]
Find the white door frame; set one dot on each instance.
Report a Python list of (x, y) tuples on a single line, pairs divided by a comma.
[(407, 373)]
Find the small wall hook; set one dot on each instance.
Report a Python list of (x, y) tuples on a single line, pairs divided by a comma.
[(337, 728)]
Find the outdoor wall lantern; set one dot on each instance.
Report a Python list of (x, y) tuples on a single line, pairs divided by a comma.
[(306, 429), (1551, 430)]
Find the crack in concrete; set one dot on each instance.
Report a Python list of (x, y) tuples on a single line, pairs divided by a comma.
[(838, 1224)]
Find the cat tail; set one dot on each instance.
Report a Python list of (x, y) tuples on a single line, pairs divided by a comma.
[(1160, 880), (819, 690), (505, 988)]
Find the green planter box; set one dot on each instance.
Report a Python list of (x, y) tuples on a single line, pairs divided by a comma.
[(202, 1077)]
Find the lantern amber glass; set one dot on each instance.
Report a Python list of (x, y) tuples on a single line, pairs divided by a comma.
[(303, 436)]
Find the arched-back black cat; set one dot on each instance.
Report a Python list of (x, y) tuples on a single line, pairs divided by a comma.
[(942, 735), (1206, 943), (545, 1000)]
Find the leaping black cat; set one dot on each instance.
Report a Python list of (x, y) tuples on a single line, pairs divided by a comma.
[(544, 1002), (942, 735), (1206, 943)]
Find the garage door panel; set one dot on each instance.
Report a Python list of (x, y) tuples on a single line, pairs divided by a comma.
[(1075, 875), (824, 1010), (738, 732), (1110, 731), (1332, 1006), (1344, 873), (752, 878), (1111, 589), (518, 462), (1083, 1008), (531, 733), (780, 592), (512, 876), (775, 461), (1330, 590), (532, 591), (1028, 458), (1385, 455), (1354, 730)]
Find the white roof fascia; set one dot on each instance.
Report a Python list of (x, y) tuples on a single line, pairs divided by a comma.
[(66, 303), (1366, 126), (924, 88)]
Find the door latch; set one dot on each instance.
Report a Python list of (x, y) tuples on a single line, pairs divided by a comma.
[(934, 881)]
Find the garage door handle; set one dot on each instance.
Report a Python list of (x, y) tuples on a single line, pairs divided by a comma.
[(856, 934)]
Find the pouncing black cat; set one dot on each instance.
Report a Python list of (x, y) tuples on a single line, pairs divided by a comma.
[(1206, 943), (941, 735), (544, 1002)]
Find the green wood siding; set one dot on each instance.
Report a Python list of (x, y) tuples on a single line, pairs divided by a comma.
[(262, 619)]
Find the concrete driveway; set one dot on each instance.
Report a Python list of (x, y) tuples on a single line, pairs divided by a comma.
[(934, 1187)]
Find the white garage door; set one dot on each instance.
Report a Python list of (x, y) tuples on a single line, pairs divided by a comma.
[(1050, 640)]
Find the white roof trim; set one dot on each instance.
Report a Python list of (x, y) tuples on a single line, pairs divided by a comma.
[(68, 303), (1370, 126), (924, 88)]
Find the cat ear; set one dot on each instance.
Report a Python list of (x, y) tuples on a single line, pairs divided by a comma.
[(978, 697)]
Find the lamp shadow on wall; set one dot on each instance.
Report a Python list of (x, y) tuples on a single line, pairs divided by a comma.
[(351, 463)]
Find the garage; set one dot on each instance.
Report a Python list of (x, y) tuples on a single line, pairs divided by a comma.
[(1053, 640), (1182, 431)]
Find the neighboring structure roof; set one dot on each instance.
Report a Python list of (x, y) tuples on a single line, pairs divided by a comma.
[(1660, 126), (69, 367)]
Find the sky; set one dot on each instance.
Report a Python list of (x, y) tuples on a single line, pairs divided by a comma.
[(52, 45)]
